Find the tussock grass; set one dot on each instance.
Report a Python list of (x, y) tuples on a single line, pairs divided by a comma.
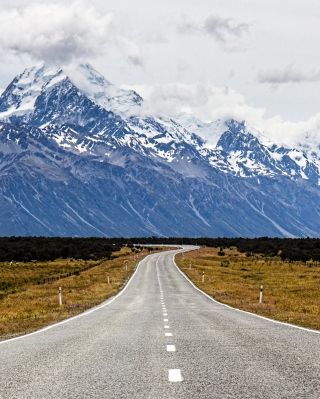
[(290, 290), (26, 305)]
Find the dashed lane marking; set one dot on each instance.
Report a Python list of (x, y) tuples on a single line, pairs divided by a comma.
[(174, 375), (168, 334), (171, 348)]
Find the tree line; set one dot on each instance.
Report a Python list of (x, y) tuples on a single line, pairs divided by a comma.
[(26, 249), (289, 249)]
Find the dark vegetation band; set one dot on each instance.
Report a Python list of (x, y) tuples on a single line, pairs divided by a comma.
[(26, 249)]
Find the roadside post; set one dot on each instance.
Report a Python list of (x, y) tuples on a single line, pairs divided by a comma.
[(203, 277), (261, 291), (108, 278), (60, 297)]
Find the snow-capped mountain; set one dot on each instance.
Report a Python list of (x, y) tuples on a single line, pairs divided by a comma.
[(79, 156)]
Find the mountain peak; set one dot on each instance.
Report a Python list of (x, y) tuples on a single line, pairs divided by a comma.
[(98, 89), (18, 100), (73, 161)]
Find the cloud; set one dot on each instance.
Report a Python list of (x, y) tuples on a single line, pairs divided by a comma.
[(131, 50), (290, 74), (61, 32), (291, 134), (54, 32), (224, 30), (206, 102), (209, 103)]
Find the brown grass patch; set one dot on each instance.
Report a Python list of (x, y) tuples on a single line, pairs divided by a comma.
[(290, 290), (26, 305)]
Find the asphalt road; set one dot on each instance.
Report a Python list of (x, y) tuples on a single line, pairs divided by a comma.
[(162, 338)]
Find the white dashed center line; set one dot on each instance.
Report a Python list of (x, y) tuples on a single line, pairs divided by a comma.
[(175, 375)]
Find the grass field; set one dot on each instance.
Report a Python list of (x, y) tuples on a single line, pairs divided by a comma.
[(290, 290), (29, 291)]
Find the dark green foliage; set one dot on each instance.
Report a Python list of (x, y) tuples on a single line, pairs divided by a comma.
[(22, 249), (291, 249), (26, 249)]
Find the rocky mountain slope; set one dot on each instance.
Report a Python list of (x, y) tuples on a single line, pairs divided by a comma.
[(79, 156)]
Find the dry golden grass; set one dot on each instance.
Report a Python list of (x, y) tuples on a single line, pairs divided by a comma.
[(26, 305), (290, 290)]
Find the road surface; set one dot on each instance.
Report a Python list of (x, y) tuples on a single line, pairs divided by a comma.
[(162, 338)]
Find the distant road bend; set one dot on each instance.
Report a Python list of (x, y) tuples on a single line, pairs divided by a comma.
[(162, 338)]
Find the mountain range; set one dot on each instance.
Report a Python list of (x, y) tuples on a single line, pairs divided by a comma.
[(82, 157)]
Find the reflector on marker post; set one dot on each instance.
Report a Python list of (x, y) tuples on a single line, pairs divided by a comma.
[(60, 297), (261, 290)]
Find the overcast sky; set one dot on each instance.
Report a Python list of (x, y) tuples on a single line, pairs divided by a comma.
[(257, 61)]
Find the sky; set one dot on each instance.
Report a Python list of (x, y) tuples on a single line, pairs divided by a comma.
[(257, 61)]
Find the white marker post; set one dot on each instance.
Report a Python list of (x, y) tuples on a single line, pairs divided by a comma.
[(108, 278), (189, 265), (261, 290), (203, 277), (60, 297)]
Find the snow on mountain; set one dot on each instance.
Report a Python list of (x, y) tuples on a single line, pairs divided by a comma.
[(244, 152), (83, 112), (209, 131), (20, 96), (80, 156), (100, 90)]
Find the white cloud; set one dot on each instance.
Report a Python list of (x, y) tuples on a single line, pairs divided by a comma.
[(290, 74), (61, 32), (131, 50), (206, 102), (289, 133), (224, 30), (210, 103), (54, 32)]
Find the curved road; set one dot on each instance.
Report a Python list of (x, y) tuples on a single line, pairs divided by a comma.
[(162, 338)]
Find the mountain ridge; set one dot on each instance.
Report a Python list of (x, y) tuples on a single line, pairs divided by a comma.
[(87, 160)]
